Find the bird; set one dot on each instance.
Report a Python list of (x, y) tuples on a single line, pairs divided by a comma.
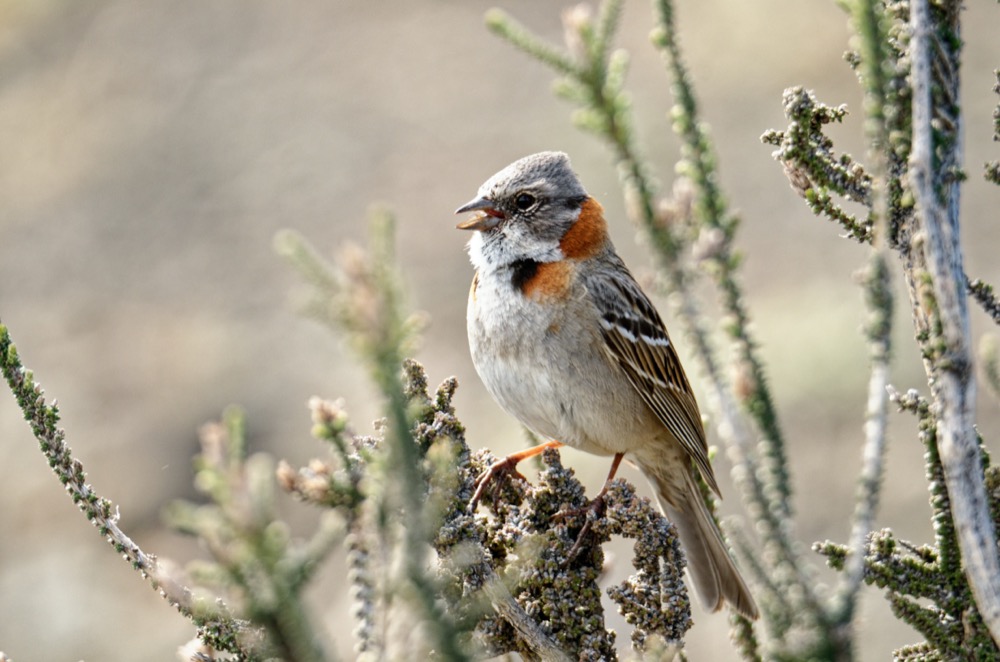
[(567, 342)]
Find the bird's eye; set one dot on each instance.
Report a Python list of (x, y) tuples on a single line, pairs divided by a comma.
[(524, 201)]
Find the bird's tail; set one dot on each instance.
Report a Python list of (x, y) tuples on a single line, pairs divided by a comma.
[(715, 576)]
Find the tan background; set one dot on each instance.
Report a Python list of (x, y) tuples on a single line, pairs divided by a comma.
[(151, 150)]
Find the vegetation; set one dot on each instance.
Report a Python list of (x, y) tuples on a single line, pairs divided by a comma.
[(426, 575)]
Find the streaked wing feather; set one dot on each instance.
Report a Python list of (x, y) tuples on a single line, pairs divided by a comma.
[(637, 341)]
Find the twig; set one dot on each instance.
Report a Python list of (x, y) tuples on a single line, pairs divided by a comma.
[(765, 484), (218, 627), (710, 208), (878, 296), (985, 296), (880, 301)]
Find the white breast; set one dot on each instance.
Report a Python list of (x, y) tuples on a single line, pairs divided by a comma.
[(544, 364)]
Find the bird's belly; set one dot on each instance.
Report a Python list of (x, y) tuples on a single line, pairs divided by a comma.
[(554, 378)]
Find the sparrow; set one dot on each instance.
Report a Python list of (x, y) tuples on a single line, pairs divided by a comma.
[(567, 343)]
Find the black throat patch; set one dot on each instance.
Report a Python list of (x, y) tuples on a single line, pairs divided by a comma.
[(521, 272)]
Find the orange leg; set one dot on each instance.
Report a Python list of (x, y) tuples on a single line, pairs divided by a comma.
[(507, 465), (596, 506), (611, 475)]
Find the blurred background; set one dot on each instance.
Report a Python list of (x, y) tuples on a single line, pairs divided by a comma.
[(151, 151)]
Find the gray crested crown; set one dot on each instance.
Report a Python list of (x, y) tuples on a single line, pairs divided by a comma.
[(549, 173)]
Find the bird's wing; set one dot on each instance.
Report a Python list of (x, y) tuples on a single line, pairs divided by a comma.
[(637, 342)]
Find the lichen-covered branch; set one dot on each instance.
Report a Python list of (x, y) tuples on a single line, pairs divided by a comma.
[(950, 371), (912, 574), (822, 176), (908, 65)]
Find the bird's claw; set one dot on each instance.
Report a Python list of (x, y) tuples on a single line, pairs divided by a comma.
[(507, 466), (594, 510)]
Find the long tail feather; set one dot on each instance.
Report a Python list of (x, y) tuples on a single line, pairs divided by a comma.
[(713, 572)]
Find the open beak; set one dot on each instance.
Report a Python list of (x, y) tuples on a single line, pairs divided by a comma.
[(488, 220)]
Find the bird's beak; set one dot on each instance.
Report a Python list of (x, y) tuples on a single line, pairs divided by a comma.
[(488, 220)]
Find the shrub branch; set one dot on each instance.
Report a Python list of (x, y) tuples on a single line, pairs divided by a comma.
[(216, 626), (949, 367)]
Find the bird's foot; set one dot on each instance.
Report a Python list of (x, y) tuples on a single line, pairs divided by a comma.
[(593, 511), (508, 466), (505, 467)]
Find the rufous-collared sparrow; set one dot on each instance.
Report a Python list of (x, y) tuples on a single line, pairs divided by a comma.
[(567, 342)]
